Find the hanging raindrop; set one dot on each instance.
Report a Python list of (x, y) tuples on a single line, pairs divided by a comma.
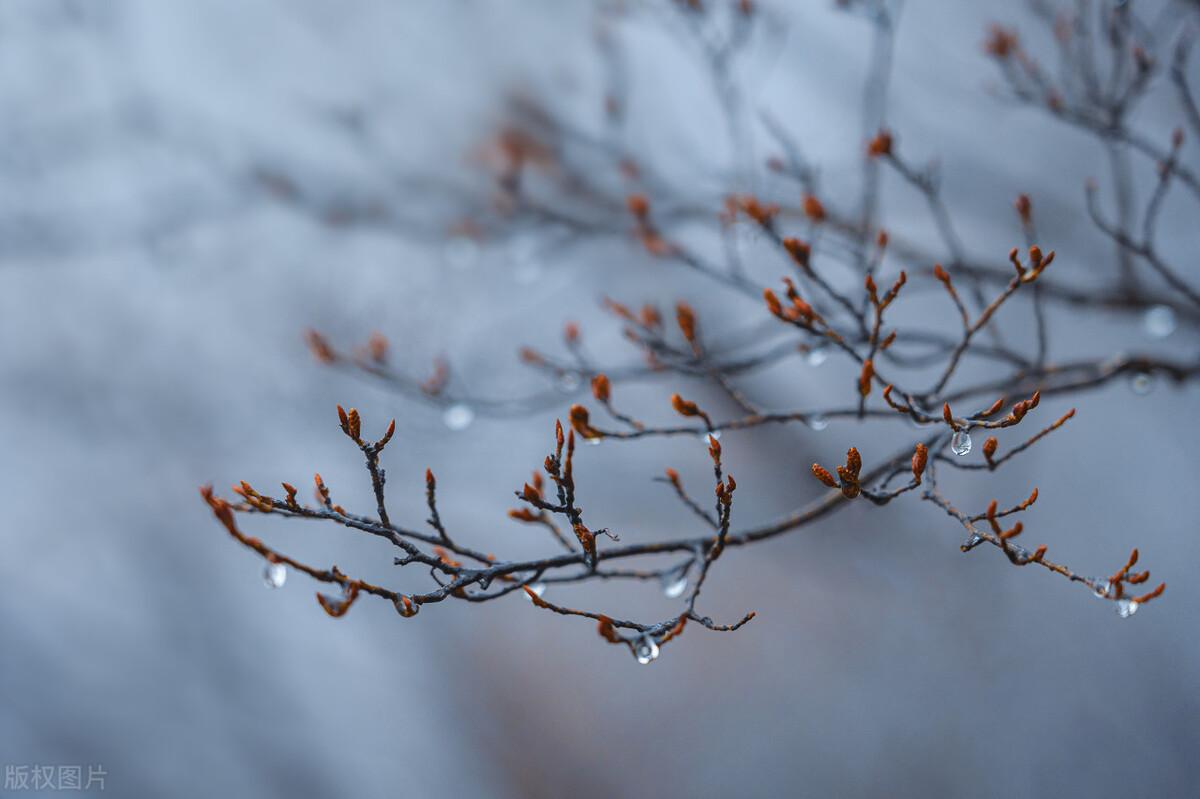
[(593, 442), (816, 356), (715, 435), (1141, 384), (536, 588), (960, 442), (1101, 589), (274, 575), (1159, 321), (645, 650), (1126, 608), (817, 422), (674, 585), (458, 416)]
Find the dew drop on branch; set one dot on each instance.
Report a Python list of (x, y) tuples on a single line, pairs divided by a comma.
[(458, 416), (1159, 321), (960, 442), (816, 356), (593, 442), (674, 585), (645, 650), (1126, 608), (1101, 589), (536, 588), (1141, 383), (715, 435), (274, 575), (817, 422)]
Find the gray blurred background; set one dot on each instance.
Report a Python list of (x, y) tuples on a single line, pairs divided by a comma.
[(152, 301)]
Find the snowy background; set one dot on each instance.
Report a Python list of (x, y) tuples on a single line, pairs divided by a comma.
[(152, 301)]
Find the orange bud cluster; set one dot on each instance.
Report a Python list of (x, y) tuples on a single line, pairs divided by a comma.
[(798, 311), (1021, 408), (351, 423), (847, 474), (1037, 263)]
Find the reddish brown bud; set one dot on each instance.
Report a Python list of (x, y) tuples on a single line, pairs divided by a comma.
[(638, 205), (1024, 208), (684, 407), (1001, 42), (799, 250), (813, 208), (377, 347), (864, 378), (853, 461), (319, 347), (822, 474), (601, 389), (919, 459), (686, 318), (773, 303), (880, 145)]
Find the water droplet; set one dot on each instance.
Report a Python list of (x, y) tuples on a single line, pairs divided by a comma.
[(405, 606), (715, 435), (1159, 321), (674, 585), (458, 416), (818, 422), (1141, 384), (1126, 608), (568, 382), (274, 575), (960, 442), (1101, 589), (593, 442), (645, 650), (816, 356), (336, 603), (536, 588), (461, 252)]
